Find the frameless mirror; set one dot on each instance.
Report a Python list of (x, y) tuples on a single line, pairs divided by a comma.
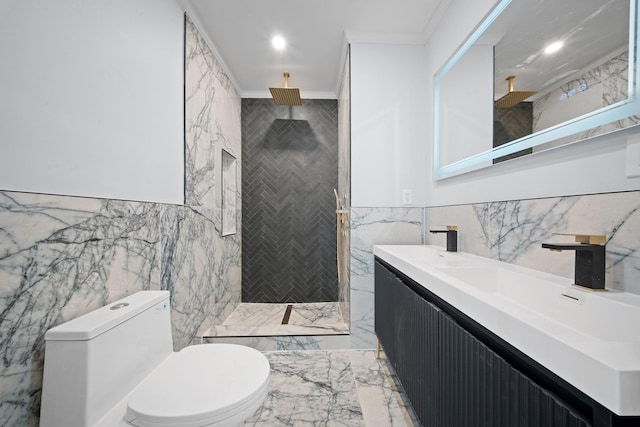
[(536, 75)]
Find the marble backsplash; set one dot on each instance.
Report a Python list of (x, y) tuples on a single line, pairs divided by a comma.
[(61, 257), (513, 231)]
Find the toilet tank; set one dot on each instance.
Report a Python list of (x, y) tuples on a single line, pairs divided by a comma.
[(92, 362)]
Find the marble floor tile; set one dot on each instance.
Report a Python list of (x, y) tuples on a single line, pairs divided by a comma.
[(332, 388), (383, 404), (310, 388)]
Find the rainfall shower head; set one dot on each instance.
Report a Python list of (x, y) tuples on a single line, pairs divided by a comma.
[(514, 97), (285, 95)]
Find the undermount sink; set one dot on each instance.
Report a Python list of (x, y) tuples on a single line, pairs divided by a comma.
[(590, 339)]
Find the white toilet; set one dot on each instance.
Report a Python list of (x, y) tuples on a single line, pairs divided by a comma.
[(115, 366)]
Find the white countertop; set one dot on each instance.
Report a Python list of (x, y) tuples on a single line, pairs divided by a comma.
[(590, 339)]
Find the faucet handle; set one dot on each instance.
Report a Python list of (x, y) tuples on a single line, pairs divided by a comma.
[(449, 227), (591, 239)]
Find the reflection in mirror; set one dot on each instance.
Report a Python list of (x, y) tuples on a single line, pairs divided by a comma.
[(535, 75)]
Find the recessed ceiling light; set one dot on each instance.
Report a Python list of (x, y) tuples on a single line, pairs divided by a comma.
[(278, 42), (553, 47)]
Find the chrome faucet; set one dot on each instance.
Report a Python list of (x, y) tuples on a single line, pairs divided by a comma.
[(452, 237), (590, 258)]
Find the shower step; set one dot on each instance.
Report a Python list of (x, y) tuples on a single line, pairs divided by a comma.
[(286, 342)]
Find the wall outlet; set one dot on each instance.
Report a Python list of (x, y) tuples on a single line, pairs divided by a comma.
[(633, 156), (407, 197)]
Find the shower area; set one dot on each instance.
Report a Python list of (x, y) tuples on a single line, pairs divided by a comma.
[(294, 221)]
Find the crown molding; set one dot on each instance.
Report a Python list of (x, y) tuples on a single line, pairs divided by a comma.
[(188, 8), (384, 38), (435, 19)]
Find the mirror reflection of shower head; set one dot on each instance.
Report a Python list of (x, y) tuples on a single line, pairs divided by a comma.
[(286, 95), (513, 97)]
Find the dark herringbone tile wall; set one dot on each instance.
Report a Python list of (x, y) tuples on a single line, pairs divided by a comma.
[(289, 171)]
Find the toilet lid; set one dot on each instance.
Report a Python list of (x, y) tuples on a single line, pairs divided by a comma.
[(200, 385)]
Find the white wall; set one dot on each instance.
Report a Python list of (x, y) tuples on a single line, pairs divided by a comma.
[(466, 105), (91, 98), (388, 146), (594, 166)]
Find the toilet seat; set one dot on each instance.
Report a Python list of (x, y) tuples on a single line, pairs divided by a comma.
[(201, 385)]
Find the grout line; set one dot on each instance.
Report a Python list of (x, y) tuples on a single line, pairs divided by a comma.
[(287, 314)]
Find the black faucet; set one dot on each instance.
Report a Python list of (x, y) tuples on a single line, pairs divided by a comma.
[(590, 259), (452, 237)]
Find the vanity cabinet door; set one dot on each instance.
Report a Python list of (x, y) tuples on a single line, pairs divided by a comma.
[(407, 327), (479, 388)]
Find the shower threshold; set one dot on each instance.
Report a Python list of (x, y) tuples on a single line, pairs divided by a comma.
[(275, 319)]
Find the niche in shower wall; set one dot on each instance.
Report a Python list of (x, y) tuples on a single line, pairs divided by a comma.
[(289, 171), (229, 192)]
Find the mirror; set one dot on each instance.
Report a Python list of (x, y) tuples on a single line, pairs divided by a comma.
[(501, 96)]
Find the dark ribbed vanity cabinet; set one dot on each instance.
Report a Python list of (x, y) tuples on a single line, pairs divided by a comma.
[(410, 340), (453, 372)]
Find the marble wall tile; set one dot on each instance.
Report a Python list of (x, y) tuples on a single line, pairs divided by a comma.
[(205, 271), (381, 226), (615, 215), (199, 96), (212, 123), (61, 257), (513, 231), (198, 272), (375, 226), (471, 221), (344, 185)]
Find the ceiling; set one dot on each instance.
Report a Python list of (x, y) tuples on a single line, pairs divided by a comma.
[(316, 31)]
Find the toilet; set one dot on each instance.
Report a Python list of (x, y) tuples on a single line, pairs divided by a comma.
[(116, 366)]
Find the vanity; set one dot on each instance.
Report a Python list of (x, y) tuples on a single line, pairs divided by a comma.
[(478, 342)]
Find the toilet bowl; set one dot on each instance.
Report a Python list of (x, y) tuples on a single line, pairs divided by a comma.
[(115, 366), (202, 385)]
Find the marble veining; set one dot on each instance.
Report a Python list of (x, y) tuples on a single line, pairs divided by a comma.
[(383, 403), (310, 388), (513, 228), (513, 231), (315, 313), (344, 186), (60, 258), (373, 226), (610, 79), (265, 319), (332, 388), (212, 123)]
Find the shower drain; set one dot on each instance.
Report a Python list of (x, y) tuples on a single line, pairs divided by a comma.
[(287, 314)]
